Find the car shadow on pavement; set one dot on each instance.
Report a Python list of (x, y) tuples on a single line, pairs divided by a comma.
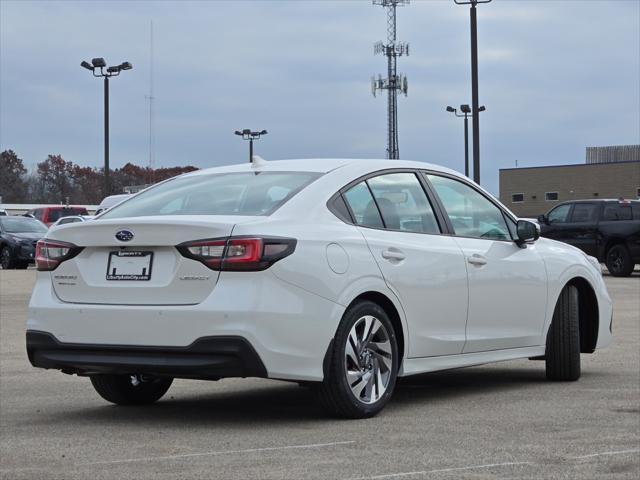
[(280, 403), (449, 384)]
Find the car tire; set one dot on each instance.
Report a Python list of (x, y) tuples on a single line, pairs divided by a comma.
[(7, 262), (362, 366), (562, 354), (131, 389), (618, 261)]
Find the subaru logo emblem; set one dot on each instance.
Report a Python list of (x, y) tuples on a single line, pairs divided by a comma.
[(124, 235)]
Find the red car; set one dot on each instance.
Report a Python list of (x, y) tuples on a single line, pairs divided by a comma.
[(49, 215)]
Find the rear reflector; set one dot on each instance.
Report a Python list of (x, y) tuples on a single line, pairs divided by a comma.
[(238, 253), (51, 253)]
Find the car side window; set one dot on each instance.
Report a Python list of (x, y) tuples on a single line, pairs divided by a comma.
[(471, 213), (559, 214), (584, 212), (363, 207), (613, 211), (403, 203)]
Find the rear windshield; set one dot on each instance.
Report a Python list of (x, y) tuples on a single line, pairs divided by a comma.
[(251, 194), (22, 225)]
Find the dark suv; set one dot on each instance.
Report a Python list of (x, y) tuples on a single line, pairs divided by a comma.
[(18, 238), (606, 229)]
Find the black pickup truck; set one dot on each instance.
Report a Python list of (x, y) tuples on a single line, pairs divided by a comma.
[(606, 229)]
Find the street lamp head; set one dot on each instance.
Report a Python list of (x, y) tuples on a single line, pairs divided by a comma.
[(98, 62), (263, 132), (451, 109), (86, 65), (238, 132), (465, 108), (126, 66), (246, 131), (113, 69), (481, 109)]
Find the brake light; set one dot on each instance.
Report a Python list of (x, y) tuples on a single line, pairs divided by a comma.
[(51, 253), (238, 253)]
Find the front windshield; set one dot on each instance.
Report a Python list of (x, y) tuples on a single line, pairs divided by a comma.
[(22, 225), (247, 193)]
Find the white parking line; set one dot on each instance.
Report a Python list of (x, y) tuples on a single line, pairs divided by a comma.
[(219, 452), (490, 465), (618, 452), (440, 470)]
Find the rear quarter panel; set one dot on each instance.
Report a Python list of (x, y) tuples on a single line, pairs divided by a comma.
[(331, 260), (619, 231)]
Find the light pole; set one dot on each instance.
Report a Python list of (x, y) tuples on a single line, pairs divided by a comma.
[(247, 134), (474, 84), (97, 67), (466, 113)]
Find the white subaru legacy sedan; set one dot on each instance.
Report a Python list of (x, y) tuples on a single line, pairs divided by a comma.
[(339, 274)]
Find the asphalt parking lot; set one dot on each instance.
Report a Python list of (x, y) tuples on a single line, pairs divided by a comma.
[(498, 421)]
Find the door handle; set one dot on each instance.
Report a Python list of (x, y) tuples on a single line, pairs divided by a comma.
[(476, 259), (393, 255)]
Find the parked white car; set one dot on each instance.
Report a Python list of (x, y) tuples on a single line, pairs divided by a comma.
[(343, 274), (111, 201), (72, 219)]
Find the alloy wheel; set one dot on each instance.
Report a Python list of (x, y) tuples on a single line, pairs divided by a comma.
[(616, 261), (368, 359), (5, 258)]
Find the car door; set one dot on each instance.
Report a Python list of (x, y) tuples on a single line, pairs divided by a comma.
[(556, 226), (424, 269), (581, 230), (507, 283)]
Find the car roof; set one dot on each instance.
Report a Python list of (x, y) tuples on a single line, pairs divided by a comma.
[(601, 200), (320, 165), (61, 207)]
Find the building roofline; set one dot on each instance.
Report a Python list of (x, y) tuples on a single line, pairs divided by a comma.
[(570, 165)]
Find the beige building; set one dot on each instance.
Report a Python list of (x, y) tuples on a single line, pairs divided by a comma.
[(529, 192)]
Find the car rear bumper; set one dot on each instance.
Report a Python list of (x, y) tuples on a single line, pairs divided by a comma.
[(288, 327), (206, 358)]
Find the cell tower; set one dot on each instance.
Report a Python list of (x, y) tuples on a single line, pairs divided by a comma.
[(394, 83)]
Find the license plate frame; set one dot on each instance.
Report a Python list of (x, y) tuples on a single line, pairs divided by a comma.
[(130, 263)]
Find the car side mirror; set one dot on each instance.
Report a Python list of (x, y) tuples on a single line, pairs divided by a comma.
[(528, 232), (543, 219)]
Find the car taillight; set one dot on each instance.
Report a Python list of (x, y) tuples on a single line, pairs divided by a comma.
[(238, 253), (51, 253)]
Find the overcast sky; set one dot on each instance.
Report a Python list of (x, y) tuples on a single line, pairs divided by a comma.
[(556, 76)]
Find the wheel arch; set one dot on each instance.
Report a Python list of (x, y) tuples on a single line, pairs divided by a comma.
[(611, 242), (390, 309), (588, 313)]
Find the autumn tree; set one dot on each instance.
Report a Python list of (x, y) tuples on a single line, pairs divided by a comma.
[(56, 178), (12, 184), (88, 184), (164, 173)]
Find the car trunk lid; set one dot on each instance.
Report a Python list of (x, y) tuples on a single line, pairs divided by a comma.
[(133, 261)]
